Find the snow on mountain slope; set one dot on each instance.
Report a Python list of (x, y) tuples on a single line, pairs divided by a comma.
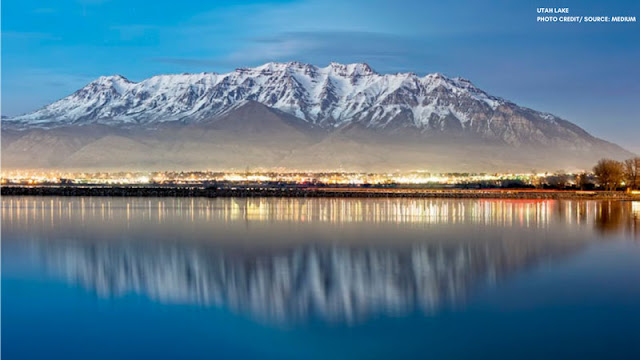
[(329, 96), (338, 98)]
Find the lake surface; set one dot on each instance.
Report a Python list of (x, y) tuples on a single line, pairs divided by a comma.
[(132, 278)]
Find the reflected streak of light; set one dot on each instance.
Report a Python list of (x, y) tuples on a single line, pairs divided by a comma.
[(635, 208), (529, 214)]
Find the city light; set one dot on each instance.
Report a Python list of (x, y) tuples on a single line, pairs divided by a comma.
[(285, 177)]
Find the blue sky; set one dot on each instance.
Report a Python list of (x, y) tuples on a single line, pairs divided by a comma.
[(586, 73)]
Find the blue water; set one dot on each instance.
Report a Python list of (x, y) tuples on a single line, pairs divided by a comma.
[(283, 279)]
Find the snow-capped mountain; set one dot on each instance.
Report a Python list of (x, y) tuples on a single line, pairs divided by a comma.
[(295, 110), (329, 97)]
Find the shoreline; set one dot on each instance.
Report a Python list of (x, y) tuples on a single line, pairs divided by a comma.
[(315, 192)]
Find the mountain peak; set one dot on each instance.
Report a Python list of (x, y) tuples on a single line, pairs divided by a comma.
[(437, 76), (118, 83), (276, 67), (346, 70), (111, 79), (355, 69)]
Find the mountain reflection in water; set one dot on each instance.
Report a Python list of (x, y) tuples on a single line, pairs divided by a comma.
[(290, 260)]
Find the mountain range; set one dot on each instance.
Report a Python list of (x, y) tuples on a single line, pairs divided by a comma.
[(295, 116)]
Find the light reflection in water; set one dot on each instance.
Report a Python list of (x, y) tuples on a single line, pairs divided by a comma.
[(432, 211), (392, 270), (510, 213), (335, 283)]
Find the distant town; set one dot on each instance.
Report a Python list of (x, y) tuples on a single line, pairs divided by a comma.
[(606, 175)]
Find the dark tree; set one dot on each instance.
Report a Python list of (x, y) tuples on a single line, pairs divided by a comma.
[(583, 181), (632, 173), (557, 181), (609, 173)]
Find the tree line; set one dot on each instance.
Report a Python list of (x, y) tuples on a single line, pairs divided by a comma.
[(607, 174), (612, 175)]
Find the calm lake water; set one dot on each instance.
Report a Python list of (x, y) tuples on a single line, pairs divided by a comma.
[(132, 278)]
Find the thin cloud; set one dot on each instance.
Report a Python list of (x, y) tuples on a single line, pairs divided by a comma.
[(44, 11), (387, 53), (29, 35), (92, 2), (188, 61)]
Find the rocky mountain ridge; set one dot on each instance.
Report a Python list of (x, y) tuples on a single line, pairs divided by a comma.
[(283, 112)]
